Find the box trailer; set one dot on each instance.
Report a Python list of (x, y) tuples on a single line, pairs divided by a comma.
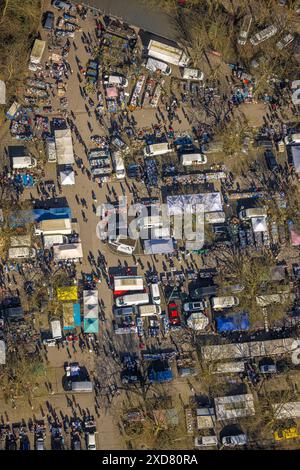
[(128, 283), (56, 329), (37, 51), (167, 53)]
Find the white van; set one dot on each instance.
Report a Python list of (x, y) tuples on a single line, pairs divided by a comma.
[(20, 163), (254, 212), (56, 329), (118, 164), (215, 217), (188, 159), (116, 80), (149, 310), (218, 303), (157, 149), (91, 441), (23, 252), (155, 294), (132, 299), (157, 65)]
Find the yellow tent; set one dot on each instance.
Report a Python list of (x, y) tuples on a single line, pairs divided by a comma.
[(67, 293)]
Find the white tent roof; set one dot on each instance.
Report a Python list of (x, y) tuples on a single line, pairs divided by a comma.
[(67, 177), (90, 297), (2, 352), (197, 321), (64, 146), (296, 157), (259, 224), (181, 203), (67, 251), (90, 311)]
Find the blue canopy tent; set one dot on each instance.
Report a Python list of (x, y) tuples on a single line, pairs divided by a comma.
[(236, 322), (76, 313), (91, 325)]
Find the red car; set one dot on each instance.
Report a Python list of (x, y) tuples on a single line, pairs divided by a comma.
[(174, 318)]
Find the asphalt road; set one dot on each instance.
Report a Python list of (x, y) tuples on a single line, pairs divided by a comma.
[(137, 13)]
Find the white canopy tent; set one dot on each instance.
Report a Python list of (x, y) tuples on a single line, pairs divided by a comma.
[(259, 224), (181, 203), (64, 146), (295, 149), (67, 251), (197, 321), (2, 352), (90, 297), (67, 177)]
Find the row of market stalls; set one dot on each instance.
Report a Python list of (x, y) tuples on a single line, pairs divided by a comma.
[(90, 311)]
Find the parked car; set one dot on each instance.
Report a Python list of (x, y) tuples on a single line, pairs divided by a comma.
[(91, 442), (174, 317), (270, 160), (195, 306), (268, 369), (232, 441), (39, 443), (60, 5), (48, 20)]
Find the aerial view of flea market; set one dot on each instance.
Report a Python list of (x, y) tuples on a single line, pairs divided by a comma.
[(150, 225)]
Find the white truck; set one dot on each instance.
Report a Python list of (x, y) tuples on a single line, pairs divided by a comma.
[(167, 53)]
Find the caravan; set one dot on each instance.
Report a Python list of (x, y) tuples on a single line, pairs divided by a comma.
[(118, 164)]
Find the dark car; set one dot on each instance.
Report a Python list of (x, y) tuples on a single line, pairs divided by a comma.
[(271, 160), (48, 20), (76, 443), (207, 291), (24, 443)]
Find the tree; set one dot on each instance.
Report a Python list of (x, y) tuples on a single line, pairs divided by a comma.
[(253, 273)]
